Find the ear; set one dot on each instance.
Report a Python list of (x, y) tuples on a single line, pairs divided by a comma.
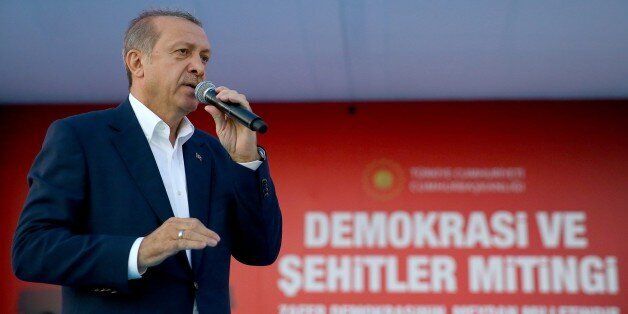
[(133, 60)]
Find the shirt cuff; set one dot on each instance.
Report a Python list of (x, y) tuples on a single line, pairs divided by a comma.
[(253, 165), (134, 272)]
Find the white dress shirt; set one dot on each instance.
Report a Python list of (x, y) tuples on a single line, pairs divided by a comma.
[(169, 159)]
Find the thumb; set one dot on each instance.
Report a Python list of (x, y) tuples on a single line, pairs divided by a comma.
[(217, 115)]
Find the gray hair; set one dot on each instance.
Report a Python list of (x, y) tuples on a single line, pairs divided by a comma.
[(142, 35)]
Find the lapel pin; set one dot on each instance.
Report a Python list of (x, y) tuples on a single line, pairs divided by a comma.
[(199, 157)]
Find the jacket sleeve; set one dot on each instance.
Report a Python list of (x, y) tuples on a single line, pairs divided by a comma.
[(256, 222), (51, 244)]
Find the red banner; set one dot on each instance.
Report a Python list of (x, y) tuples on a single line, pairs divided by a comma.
[(443, 207)]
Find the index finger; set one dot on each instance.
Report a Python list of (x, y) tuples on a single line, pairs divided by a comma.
[(197, 226), (200, 228)]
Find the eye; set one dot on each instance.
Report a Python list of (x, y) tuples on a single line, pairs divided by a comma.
[(182, 51), (205, 59)]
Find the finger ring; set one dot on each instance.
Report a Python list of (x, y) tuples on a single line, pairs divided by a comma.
[(180, 235)]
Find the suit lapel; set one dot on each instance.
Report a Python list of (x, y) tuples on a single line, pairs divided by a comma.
[(198, 166), (134, 149)]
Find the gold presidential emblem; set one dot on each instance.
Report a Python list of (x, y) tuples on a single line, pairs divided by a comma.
[(383, 179)]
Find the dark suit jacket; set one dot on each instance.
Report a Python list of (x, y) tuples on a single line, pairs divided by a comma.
[(95, 188)]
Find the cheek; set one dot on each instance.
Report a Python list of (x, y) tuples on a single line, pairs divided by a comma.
[(171, 74), (151, 74), (163, 79), (153, 83), (166, 75)]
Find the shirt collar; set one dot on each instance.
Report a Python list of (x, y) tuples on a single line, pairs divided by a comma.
[(151, 123)]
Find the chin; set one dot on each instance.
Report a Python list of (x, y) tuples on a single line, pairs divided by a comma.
[(188, 105), (191, 107)]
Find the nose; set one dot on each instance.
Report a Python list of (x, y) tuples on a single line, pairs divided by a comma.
[(197, 67)]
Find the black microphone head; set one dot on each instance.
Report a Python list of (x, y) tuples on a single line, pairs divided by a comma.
[(259, 125), (202, 88)]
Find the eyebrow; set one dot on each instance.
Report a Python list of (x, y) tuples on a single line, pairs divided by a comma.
[(187, 44)]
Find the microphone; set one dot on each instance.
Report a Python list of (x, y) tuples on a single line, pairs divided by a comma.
[(205, 92)]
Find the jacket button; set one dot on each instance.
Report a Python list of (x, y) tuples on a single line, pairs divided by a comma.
[(195, 285)]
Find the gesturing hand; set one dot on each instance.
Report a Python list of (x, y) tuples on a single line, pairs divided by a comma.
[(238, 140), (165, 241)]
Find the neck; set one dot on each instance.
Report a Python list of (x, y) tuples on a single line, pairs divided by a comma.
[(169, 114)]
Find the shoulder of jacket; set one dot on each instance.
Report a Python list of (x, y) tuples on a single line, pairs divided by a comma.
[(87, 120)]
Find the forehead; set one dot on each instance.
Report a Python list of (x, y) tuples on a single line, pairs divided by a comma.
[(173, 29)]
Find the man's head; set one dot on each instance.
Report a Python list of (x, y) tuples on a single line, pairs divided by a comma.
[(165, 54)]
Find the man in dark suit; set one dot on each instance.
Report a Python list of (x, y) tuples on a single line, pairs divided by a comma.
[(131, 209)]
